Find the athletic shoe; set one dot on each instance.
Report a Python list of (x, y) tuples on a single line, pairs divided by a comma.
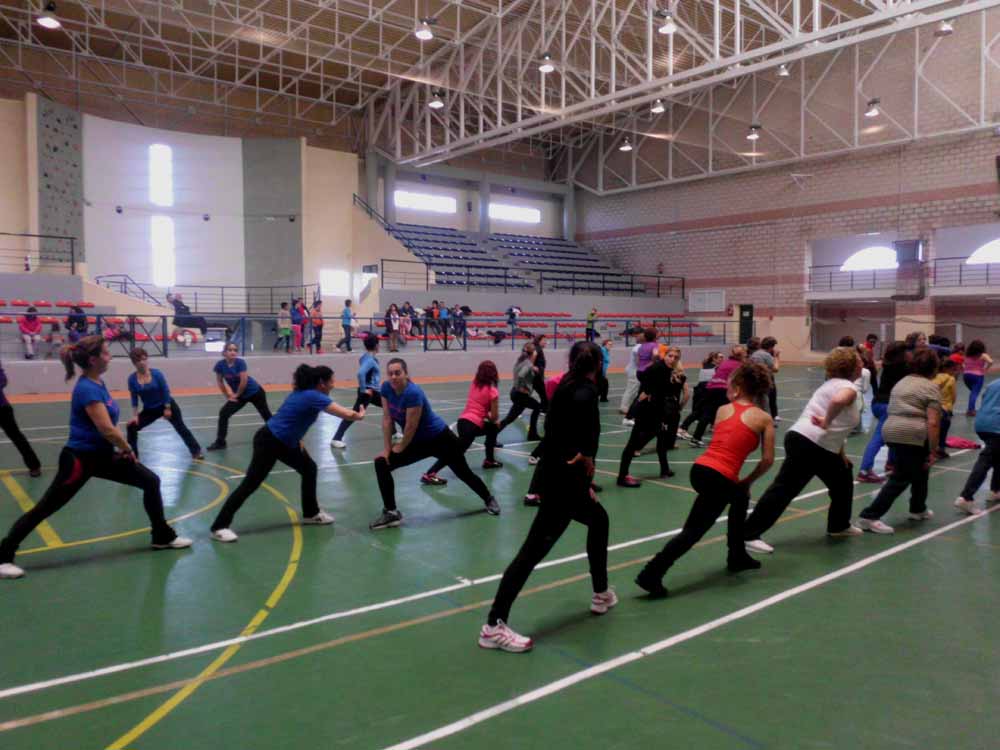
[(739, 563), (683, 434), (628, 481), (320, 519), (532, 500), (501, 637), (851, 530), (697, 443), (967, 506), (875, 526), (178, 542), (942, 454), (487, 464), (218, 445), (758, 545), (777, 419), (870, 477), (532, 460), (654, 588), (628, 422), (387, 519), (397, 437), (432, 479), (666, 474), (224, 535), (34, 472), (10, 570), (198, 457), (970, 413), (925, 515), (339, 444), (601, 603), (492, 506)]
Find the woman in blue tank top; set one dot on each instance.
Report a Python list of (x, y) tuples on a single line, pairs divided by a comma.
[(148, 385), (96, 448), (239, 389)]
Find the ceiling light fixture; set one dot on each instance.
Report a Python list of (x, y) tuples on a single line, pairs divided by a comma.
[(47, 19), (423, 32), (944, 28), (658, 108), (436, 101), (626, 145), (546, 65), (667, 23), (873, 108), (754, 133), (783, 71)]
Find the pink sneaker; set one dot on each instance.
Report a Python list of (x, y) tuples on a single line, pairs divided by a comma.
[(602, 602), (502, 637), (870, 477)]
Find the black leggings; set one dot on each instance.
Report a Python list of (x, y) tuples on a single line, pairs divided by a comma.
[(9, 425), (259, 401), (75, 468), (574, 504), (148, 416), (643, 431), (444, 446), (714, 399), (772, 401), (519, 401), (363, 399), (715, 492), (804, 460), (538, 386), (697, 404), (989, 458), (268, 450), (909, 470), (467, 433)]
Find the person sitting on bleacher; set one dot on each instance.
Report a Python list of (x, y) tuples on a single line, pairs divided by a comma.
[(76, 324), (183, 317), (30, 327)]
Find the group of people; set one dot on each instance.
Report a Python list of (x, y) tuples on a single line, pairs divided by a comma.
[(737, 399), (30, 328)]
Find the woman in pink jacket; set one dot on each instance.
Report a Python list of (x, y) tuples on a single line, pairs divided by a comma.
[(30, 326)]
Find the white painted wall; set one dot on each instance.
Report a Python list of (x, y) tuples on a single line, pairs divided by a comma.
[(13, 183), (207, 179), (330, 179)]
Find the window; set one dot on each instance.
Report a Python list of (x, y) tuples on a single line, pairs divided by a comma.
[(439, 204), (706, 300), (875, 258), (988, 253), (161, 231), (335, 283), (161, 175), (522, 214)]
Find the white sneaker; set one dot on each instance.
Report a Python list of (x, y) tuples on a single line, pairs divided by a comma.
[(628, 422), (502, 637), (851, 530), (320, 519), (923, 516), (683, 434), (532, 460), (758, 545), (338, 444), (777, 419), (966, 506), (397, 437), (179, 542), (602, 602), (224, 535), (875, 526), (10, 570)]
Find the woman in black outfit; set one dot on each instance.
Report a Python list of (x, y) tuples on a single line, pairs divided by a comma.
[(9, 425), (894, 369), (520, 393), (539, 384), (573, 428)]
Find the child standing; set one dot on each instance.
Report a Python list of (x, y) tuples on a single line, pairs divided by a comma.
[(977, 362), (945, 381), (602, 382), (284, 328)]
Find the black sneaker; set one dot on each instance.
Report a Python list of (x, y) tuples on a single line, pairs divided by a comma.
[(432, 479), (532, 500), (739, 563), (387, 519), (218, 445), (492, 506), (651, 586)]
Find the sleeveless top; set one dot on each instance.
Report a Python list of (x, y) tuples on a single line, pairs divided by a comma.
[(732, 442), (975, 365)]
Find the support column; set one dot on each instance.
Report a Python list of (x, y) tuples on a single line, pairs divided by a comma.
[(569, 215), (371, 178), (484, 209), (389, 188)]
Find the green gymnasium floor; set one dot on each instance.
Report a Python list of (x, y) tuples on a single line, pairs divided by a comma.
[(368, 640)]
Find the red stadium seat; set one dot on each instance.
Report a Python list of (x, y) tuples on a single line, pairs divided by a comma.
[(42, 303), (65, 303), (114, 321), (20, 303), (48, 320), (85, 305), (141, 337), (6, 319), (3, 303)]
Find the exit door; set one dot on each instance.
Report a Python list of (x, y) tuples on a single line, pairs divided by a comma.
[(746, 322)]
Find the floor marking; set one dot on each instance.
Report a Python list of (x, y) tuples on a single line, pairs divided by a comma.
[(44, 529), (667, 643), (272, 601)]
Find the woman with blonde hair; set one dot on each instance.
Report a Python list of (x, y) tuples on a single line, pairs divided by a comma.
[(96, 448)]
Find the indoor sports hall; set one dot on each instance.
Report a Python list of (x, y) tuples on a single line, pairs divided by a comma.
[(619, 374)]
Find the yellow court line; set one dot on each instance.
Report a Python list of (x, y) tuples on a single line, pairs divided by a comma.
[(272, 601), (44, 529)]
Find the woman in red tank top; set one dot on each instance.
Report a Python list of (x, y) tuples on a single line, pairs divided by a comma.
[(740, 426)]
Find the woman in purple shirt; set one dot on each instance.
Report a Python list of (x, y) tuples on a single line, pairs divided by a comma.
[(715, 392)]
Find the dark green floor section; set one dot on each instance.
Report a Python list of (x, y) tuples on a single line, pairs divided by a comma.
[(900, 654)]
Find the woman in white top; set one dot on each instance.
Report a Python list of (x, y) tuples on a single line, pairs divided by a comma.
[(631, 384), (814, 447)]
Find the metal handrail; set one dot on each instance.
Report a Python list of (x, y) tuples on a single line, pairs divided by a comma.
[(72, 245), (372, 213), (956, 272), (125, 285)]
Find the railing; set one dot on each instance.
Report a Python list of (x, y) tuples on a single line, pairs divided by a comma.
[(125, 284), (414, 275), (54, 252), (832, 279), (372, 213), (610, 283), (956, 272)]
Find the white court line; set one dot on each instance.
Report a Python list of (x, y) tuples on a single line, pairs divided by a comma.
[(215, 646), (604, 667)]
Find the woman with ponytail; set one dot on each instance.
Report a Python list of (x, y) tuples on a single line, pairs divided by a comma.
[(520, 395), (280, 439), (572, 431), (96, 448)]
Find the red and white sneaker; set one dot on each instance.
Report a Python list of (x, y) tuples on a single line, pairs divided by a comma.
[(502, 637), (602, 602)]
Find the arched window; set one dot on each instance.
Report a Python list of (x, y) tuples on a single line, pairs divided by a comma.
[(988, 253), (875, 258)]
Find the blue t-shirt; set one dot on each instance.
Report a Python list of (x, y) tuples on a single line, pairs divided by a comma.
[(368, 373), (345, 316), (988, 414), (154, 394), (83, 435), (232, 376), (296, 415), (605, 360), (430, 425), (297, 316)]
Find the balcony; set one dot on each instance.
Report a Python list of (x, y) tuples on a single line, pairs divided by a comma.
[(830, 283), (954, 277)]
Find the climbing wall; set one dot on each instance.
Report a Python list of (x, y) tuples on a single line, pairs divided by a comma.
[(60, 181)]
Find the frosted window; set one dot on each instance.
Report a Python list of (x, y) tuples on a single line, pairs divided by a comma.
[(522, 214), (988, 253), (161, 231), (439, 204), (161, 175), (876, 258)]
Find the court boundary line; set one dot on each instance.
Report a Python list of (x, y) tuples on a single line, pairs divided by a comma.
[(654, 648)]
